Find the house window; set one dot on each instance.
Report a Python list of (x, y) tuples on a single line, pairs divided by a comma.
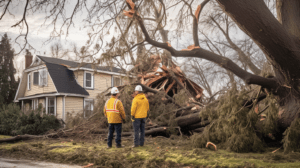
[(88, 80), (88, 107), (43, 77), (29, 81), (51, 106), (116, 81), (36, 78)]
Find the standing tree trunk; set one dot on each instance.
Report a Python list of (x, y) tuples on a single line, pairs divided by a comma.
[(279, 40)]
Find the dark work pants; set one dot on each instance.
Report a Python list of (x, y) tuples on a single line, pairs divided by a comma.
[(139, 131), (112, 128)]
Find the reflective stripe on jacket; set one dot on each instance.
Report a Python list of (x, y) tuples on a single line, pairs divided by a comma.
[(114, 110), (140, 106)]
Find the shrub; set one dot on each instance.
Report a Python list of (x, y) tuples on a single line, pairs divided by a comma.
[(14, 122), (8, 116), (292, 137)]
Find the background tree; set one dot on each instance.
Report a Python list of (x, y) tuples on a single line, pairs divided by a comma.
[(8, 84), (274, 39), (277, 38), (58, 51)]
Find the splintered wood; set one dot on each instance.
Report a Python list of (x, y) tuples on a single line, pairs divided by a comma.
[(197, 12), (171, 80), (191, 47), (131, 11)]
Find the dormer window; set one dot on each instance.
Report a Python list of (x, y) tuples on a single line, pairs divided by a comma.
[(36, 78), (88, 80), (40, 77)]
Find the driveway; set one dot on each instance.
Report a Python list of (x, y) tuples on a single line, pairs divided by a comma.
[(16, 163)]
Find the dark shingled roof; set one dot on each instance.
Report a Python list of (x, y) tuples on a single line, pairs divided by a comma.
[(64, 79), (73, 64)]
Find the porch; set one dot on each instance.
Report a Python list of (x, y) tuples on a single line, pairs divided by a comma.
[(51, 105)]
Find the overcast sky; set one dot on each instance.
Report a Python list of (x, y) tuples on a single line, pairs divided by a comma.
[(38, 34)]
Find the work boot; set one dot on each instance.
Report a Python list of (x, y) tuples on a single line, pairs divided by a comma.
[(135, 146), (108, 147), (120, 146)]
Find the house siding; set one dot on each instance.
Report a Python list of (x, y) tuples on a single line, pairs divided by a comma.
[(79, 77), (73, 105), (101, 83), (35, 89), (59, 107)]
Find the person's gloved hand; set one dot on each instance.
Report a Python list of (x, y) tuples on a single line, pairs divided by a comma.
[(124, 121), (132, 118)]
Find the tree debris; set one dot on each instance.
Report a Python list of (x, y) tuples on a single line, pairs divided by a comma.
[(171, 80)]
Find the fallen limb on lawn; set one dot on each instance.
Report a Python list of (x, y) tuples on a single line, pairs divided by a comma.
[(20, 137)]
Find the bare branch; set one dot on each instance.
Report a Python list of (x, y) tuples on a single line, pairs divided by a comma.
[(220, 60), (5, 9)]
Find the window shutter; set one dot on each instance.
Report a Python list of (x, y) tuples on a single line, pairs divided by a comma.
[(46, 77), (43, 77), (28, 82)]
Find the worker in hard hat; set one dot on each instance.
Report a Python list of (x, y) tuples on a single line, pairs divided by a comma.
[(114, 111), (139, 110)]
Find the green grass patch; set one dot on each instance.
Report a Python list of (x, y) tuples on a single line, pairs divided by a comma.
[(157, 152)]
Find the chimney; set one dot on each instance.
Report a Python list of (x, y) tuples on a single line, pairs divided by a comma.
[(28, 60)]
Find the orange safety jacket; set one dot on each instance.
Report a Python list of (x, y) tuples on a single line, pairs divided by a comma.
[(114, 110)]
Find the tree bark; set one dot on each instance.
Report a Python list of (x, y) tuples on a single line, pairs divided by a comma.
[(188, 120), (288, 14), (272, 38)]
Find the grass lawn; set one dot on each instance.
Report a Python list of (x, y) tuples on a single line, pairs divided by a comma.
[(157, 152)]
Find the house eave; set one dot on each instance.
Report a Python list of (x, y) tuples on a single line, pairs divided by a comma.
[(35, 68), (49, 95), (105, 72)]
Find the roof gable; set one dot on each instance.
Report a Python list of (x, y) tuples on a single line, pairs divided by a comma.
[(64, 79)]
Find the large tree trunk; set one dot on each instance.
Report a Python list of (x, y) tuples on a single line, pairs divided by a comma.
[(279, 42)]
